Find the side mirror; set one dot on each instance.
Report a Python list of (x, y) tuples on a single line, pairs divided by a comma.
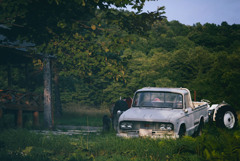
[(186, 110)]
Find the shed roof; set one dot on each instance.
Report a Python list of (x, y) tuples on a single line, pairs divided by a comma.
[(13, 56)]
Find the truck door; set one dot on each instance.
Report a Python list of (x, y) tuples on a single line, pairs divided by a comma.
[(189, 117)]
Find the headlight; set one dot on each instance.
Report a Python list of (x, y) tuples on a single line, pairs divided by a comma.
[(126, 125), (162, 127), (169, 127), (166, 127)]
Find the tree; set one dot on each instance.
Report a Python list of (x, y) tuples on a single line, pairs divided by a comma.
[(54, 25)]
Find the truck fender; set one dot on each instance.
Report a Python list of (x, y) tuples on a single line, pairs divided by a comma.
[(212, 112)]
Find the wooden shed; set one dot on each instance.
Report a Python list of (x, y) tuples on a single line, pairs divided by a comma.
[(12, 100)]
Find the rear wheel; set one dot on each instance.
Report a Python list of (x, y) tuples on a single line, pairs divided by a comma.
[(226, 117), (182, 131), (200, 128)]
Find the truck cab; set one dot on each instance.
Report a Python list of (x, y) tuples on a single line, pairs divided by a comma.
[(163, 112)]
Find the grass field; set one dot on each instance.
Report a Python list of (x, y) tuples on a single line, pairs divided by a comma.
[(73, 114), (24, 145), (81, 116)]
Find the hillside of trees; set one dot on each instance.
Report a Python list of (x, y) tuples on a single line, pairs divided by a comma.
[(111, 53), (204, 58)]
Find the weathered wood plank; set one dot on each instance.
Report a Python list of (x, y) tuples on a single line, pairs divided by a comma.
[(22, 107), (47, 101), (19, 122), (1, 113), (36, 118)]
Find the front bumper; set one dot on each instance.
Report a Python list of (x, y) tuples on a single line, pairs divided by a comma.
[(148, 133)]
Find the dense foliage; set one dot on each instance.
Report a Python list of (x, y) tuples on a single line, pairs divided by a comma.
[(204, 58), (104, 53)]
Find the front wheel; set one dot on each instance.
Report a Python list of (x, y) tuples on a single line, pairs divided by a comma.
[(226, 117), (182, 131)]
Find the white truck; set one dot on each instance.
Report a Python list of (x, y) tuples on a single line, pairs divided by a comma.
[(170, 113)]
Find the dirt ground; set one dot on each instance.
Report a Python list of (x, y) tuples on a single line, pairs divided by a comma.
[(71, 130)]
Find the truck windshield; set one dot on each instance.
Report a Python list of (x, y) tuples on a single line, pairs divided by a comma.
[(158, 100)]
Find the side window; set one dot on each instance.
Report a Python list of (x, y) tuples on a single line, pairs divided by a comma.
[(136, 100), (179, 101)]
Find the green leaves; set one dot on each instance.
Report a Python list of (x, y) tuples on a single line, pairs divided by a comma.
[(107, 49)]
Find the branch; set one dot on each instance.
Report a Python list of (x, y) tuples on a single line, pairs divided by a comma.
[(86, 26)]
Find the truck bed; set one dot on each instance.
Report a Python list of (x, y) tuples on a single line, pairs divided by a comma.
[(197, 104)]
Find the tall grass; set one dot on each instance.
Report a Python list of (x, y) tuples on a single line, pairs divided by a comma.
[(21, 144), (78, 119), (8, 120), (74, 114), (214, 144), (24, 145), (145, 149)]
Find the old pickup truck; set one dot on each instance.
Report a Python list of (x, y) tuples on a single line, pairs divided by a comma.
[(170, 113)]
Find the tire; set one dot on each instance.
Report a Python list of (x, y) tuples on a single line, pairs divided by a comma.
[(200, 128), (182, 131), (226, 117), (119, 105)]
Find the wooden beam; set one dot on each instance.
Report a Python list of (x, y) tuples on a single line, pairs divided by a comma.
[(195, 96), (47, 100), (18, 118), (23, 107), (58, 104), (1, 113), (27, 77), (36, 118), (9, 72)]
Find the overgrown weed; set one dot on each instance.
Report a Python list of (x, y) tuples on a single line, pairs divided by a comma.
[(20, 144), (214, 144)]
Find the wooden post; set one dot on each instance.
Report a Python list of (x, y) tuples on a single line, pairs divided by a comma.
[(35, 118), (195, 96), (19, 118), (9, 71), (47, 100), (1, 113), (27, 77), (52, 117), (58, 105)]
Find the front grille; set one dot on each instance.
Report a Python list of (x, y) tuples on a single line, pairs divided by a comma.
[(149, 125), (155, 126)]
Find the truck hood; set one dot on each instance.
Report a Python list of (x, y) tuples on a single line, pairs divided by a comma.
[(151, 114)]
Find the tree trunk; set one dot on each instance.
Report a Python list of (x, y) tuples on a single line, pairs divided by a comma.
[(58, 105), (47, 93), (9, 71), (27, 77)]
